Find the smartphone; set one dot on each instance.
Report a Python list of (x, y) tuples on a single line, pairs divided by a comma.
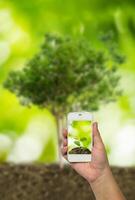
[(79, 125)]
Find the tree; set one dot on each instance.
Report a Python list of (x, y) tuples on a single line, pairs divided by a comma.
[(68, 74)]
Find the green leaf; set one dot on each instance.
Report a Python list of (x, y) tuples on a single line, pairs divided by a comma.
[(77, 143), (83, 139)]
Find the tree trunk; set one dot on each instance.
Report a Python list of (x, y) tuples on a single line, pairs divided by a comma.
[(59, 136)]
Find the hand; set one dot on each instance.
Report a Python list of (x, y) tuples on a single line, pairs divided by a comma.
[(97, 172), (91, 171)]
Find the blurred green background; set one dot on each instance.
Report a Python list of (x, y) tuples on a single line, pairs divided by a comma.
[(29, 134)]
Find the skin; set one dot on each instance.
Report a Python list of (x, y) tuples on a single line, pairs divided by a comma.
[(97, 172)]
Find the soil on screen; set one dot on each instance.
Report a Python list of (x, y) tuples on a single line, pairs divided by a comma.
[(80, 150)]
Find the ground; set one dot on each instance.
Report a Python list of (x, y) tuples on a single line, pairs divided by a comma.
[(49, 182)]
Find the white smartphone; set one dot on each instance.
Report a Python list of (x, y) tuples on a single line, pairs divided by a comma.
[(79, 125)]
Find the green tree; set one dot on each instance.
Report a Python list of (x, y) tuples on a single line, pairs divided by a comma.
[(68, 74)]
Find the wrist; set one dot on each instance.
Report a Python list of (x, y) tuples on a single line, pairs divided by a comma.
[(105, 186), (103, 176), (101, 184)]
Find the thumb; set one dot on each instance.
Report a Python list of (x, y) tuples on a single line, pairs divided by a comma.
[(97, 140)]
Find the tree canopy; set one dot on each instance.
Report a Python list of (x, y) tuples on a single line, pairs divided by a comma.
[(68, 74)]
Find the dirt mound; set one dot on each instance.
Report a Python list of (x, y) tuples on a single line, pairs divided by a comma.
[(80, 150)]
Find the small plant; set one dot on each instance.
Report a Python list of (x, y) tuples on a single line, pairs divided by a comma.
[(79, 137), (68, 74)]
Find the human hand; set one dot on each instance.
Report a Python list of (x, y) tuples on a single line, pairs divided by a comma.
[(91, 171), (97, 172)]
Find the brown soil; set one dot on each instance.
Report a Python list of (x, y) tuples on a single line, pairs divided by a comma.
[(48, 182), (80, 150)]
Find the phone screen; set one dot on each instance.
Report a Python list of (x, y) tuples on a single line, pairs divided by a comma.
[(80, 137)]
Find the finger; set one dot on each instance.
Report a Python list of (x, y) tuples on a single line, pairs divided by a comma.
[(97, 140), (64, 142), (64, 150), (65, 133)]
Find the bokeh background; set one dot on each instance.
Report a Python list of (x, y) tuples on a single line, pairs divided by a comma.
[(29, 134)]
